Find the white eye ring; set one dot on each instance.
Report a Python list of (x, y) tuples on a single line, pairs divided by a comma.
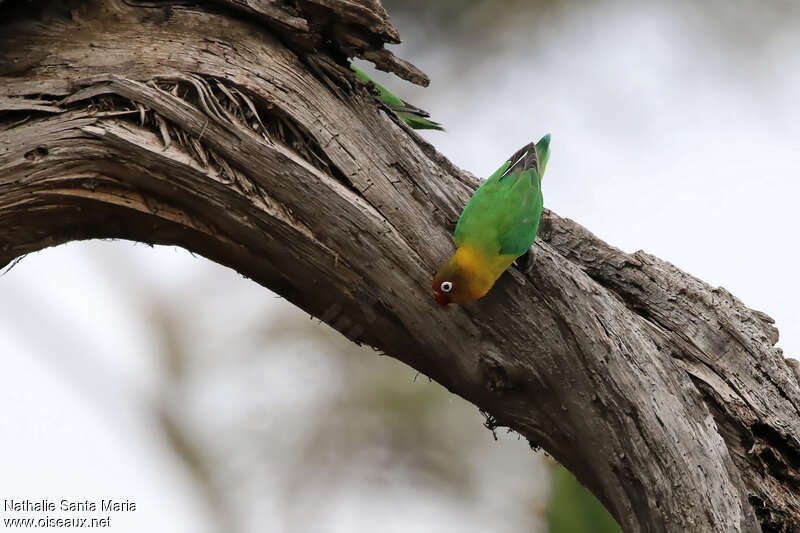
[(446, 286)]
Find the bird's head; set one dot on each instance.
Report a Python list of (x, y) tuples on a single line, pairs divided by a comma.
[(457, 282), (442, 290), (448, 288)]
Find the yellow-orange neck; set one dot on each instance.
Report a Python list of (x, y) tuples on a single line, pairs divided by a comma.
[(480, 269)]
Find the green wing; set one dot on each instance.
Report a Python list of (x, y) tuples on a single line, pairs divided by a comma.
[(411, 115), (502, 217)]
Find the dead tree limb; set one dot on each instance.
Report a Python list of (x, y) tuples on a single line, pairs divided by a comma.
[(234, 129)]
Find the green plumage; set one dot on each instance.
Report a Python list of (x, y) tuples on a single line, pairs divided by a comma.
[(502, 217), (413, 116)]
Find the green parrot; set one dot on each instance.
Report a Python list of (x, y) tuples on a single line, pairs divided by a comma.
[(411, 115), (498, 224)]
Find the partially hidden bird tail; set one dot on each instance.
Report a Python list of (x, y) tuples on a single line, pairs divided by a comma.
[(415, 117)]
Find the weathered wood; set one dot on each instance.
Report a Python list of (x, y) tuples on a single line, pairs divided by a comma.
[(233, 128)]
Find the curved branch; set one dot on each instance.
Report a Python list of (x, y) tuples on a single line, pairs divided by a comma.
[(220, 133)]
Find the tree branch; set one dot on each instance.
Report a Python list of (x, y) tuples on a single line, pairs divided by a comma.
[(235, 130)]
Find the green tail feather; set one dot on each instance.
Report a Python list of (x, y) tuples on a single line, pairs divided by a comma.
[(543, 152), (415, 117)]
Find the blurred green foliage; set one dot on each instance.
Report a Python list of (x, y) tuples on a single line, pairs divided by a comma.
[(573, 509)]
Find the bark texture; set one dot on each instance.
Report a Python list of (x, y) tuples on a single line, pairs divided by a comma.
[(233, 128)]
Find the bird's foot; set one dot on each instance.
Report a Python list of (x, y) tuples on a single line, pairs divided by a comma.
[(525, 261)]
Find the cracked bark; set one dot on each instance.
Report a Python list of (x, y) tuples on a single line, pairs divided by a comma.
[(234, 129)]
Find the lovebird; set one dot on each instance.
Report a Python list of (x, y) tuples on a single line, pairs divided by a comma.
[(413, 116), (498, 224)]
